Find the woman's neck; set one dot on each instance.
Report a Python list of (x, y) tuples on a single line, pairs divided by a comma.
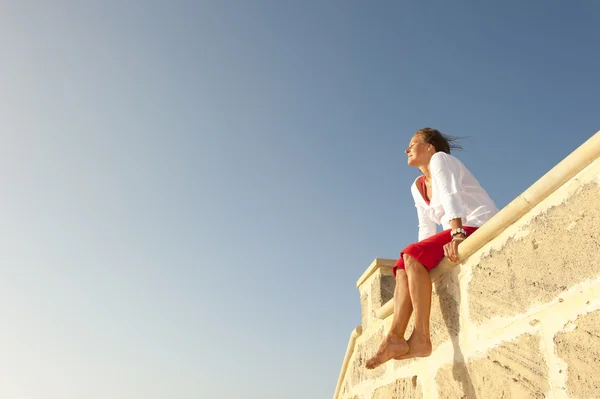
[(425, 170)]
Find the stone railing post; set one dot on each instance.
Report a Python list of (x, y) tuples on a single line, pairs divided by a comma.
[(376, 287)]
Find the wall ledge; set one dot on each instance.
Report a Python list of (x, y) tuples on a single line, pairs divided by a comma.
[(376, 264)]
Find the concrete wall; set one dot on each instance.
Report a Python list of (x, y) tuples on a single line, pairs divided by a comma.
[(520, 318)]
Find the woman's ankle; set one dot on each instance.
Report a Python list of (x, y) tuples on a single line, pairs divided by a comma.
[(396, 334)]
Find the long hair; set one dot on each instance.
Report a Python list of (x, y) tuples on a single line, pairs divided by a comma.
[(440, 141)]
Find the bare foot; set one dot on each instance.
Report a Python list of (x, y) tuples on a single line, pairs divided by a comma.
[(418, 346), (391, 347)]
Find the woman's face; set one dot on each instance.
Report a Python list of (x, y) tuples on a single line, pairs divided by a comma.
[(419, 153)]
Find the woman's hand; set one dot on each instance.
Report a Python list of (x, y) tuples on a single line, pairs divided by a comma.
[(451, 249)]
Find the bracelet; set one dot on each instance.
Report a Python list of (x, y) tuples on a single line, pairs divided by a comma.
[(458, 238), (458, 231)]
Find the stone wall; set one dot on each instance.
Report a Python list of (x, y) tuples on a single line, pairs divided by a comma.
[(520, 318)]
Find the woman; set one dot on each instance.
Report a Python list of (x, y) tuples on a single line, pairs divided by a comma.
[(446, 194)]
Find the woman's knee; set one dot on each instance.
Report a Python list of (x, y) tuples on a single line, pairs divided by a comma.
[(411, 263), (400, 275)]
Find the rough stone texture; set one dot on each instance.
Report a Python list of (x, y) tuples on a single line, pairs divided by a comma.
[(345, 390), (363, 351), (382, 290), (375, 292), (364, 307), (515, 369), (445, 309), (580, 349), (400, 389), (560, 250)]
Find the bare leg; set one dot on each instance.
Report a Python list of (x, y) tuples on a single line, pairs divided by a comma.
[(394, 344), (402, 304), (419, 284)]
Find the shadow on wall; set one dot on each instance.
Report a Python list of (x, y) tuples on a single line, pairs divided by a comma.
[(450, 310)]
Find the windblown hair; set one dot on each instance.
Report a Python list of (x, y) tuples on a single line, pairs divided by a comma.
[(440, 141)]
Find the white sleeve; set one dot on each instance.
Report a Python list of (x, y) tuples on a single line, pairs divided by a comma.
[(446, 176), (427, 227)]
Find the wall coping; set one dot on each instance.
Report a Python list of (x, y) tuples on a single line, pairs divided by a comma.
[(574, 163), (376, 264)]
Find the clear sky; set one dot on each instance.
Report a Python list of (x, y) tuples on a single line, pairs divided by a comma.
[(190, 190)]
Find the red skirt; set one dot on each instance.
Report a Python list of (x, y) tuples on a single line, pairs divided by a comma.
[(430, 251)]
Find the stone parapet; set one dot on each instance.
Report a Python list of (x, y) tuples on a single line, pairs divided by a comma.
[(376, 287), (519, 318)]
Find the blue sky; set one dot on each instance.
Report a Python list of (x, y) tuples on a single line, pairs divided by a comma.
[(190, 190)]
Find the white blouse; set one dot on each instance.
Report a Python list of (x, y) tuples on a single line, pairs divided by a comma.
[(455, 194)]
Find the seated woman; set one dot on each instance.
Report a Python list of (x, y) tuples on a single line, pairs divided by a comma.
[(446, 194)]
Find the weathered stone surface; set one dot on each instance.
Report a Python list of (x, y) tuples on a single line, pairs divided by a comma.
[(382, 290), (513, 370), (400, 389), (375, 291), (345, 390), (580, 349), (366, 348), (445, 309), (365, 309), (538, 267)]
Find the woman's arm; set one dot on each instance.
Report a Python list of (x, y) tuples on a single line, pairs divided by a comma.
[(447, 176)]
